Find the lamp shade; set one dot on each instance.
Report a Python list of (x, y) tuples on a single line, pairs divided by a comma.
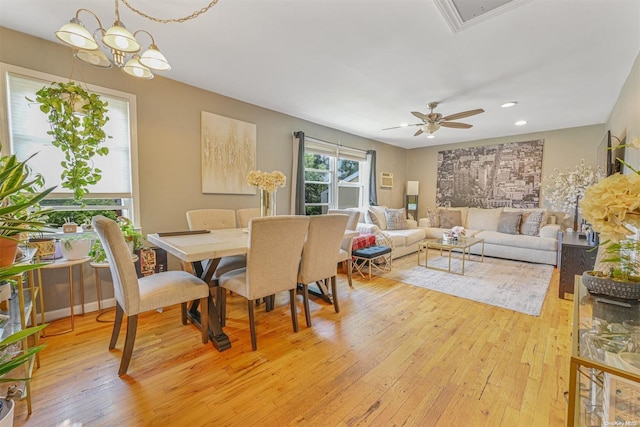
[(136, 69), (119, 38), (412, 188), (96, 58), (76, 35), (152, 58)]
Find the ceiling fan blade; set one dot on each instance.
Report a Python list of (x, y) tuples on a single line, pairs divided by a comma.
[(456, 125), (405, 126), (418, 132), (420, 115), (463, 114)]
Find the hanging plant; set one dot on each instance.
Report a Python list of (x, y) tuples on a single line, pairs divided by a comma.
[(77, 118)]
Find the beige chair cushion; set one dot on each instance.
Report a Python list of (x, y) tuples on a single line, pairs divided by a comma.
[(246, 215), (321, 247), (211, 219)]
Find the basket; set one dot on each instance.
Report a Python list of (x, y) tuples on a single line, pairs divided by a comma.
[(608, 286)]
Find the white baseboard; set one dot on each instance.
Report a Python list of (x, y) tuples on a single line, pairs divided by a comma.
[(50, 316)]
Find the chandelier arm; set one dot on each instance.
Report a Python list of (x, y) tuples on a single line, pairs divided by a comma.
[(101, 28), (147, 33), (195, 14)]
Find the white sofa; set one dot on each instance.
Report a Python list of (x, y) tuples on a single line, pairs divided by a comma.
[(403, 241), (542, 247)]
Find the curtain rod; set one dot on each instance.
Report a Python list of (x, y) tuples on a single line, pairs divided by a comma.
[(338, 144)]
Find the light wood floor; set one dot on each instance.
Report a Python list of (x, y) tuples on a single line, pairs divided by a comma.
[(395, 355)]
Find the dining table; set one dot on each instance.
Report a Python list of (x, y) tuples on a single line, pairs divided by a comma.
[(200, 251)]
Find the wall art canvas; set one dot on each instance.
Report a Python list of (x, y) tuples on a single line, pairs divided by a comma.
[(228, 154), (491, 176)]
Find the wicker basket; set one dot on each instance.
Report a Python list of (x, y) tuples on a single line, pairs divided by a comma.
[(608, 286)]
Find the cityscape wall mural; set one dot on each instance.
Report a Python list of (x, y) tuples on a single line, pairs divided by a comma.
[(491, 176)]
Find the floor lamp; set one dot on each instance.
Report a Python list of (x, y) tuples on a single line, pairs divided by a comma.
[(411, 199)]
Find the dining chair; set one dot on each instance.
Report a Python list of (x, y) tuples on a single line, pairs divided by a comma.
[(344, 256), (246, 215), (134, 295), (320, 256), (217, 219), (275, 248)]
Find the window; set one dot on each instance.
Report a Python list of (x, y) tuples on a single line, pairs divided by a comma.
[(334, 177), (26, 132)]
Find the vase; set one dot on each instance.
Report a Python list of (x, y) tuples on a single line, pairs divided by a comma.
[(267, 203)]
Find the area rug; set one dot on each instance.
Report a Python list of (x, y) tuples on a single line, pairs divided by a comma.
[(517, 286)]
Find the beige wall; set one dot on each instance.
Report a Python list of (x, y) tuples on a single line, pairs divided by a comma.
[(562, 149)]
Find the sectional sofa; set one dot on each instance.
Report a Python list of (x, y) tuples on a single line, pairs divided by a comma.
[(529, 235)]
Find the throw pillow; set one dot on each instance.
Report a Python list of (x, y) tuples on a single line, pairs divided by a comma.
[(376, 213), (433, 217), (396, 219), (509, 222), (450, 219), (531, 227)]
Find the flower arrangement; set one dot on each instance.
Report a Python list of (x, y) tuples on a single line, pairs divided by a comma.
[(562, 190), (455, 233), (268, 181), (612, 206)]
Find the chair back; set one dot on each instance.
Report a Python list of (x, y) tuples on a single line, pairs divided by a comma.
[(354, 217), (320, 251), (246, 215), (275, 247), (123, 272), (211, 219)]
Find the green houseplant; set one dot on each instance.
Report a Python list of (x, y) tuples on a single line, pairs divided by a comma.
[(131, 236), (20, 210), (77, 118)]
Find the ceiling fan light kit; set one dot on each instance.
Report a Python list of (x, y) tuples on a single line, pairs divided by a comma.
[(433, 121)]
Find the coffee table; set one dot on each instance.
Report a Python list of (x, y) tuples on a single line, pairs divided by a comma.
[(462, 245)]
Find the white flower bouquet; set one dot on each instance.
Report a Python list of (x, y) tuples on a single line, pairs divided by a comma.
[(268, 181)]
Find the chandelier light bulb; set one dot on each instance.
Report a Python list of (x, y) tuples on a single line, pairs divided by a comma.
[(136, 69), (76, 35), (154, 59), (119, 38)]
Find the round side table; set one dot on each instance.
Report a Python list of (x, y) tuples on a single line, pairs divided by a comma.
[(65, 263)]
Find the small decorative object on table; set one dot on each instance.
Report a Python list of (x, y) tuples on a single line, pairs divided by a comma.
[(268, 183), (454, 234)]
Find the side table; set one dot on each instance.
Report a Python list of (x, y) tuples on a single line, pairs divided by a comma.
[(575, 256), (65, 263)]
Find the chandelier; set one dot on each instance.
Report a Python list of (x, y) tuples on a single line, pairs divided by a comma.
[(117, 45)]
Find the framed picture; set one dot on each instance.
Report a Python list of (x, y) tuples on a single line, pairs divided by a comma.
[(228, 154)]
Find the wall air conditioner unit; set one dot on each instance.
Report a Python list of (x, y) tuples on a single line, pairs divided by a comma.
[(386, 180)]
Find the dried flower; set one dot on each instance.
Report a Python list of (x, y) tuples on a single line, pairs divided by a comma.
[(268, 181), (562, 190)]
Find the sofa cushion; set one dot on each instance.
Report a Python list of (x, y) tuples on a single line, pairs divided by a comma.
[(518, 241), (375, 214), (483, 219), (532, 223), (396, 219), (434, 217), (450, 218), (406, 237), (509, 222)]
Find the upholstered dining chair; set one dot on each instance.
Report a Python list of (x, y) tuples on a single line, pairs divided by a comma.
[(246, 215), (217, 219), (344, 256), (320, 256), (134, 296), (275, 248)]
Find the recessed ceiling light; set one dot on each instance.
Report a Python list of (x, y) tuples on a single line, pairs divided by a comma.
[(431, 136), (521, 122), (508, 104)]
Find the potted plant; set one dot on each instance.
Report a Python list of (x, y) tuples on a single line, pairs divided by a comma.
[(76, 118), (131, 236), (12, 356), (20, 210), (612, 207)]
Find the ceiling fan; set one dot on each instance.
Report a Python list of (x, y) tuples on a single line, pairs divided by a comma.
[(431, 122)]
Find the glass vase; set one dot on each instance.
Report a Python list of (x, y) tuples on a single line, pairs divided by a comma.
[(267, 203)]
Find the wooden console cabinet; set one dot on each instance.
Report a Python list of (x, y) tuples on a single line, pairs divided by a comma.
[(575, 256)]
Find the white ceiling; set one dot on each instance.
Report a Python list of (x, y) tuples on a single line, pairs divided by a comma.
[(363, 65)]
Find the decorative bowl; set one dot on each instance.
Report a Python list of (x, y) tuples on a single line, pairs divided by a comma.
[(608, 286)]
